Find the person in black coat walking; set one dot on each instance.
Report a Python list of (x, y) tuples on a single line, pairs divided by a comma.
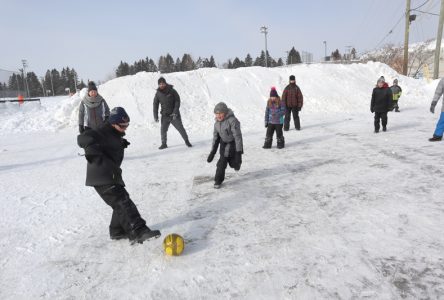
[(169, 100), (104, 151), (380, 104)]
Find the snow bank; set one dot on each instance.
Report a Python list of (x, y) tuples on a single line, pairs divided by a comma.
[(328, 88)]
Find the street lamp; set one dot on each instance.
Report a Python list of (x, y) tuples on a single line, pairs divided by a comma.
[(25, 77), (264, 30), (325, 45)]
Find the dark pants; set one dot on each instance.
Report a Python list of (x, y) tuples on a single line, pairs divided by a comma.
[(224, 161), (165, 124), (126, 217), (272, 128), (297, 123), (383, 117)]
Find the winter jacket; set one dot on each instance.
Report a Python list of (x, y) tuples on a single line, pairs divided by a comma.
[(396, 91), (438, 93), (274, 112), (169, 102), (381, 100), (228, 131), (104, 151), (292, 96), (93, 112)]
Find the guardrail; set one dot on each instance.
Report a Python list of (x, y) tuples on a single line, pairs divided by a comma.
[(20, 101)]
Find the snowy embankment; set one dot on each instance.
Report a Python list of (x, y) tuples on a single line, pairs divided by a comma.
[(340, 213)]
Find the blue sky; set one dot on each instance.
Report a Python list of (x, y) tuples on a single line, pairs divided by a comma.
[(94, 36)]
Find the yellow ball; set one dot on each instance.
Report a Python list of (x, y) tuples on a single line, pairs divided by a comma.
[(173, 244)]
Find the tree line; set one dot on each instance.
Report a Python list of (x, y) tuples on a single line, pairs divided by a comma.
[(167, 64), (53, 83)]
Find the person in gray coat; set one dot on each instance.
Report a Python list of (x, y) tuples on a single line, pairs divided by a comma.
[(437, 135), (227, 133), (169, 100), (93, 109)]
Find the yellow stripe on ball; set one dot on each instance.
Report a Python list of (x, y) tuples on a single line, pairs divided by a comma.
[(173, 244)]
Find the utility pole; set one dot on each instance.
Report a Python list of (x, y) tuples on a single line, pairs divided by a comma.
[(438, 42), (52, 85), (264, 30), (25, 76), (325, 48), (406, 38)]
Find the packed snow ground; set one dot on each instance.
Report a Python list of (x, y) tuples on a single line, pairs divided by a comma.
[(339, 213)]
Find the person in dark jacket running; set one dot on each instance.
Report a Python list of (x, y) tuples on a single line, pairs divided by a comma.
[(293, 99), (104, 151), (169, 100), (93, 109), (274, 120), (227, 133), (380, 104)]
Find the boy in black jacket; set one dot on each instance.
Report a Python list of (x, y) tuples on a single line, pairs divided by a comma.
[(104, 151), (380, 104)]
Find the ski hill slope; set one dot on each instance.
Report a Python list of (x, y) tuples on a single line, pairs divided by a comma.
[(340, 213)]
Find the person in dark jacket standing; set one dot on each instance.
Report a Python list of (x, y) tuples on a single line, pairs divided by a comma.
[(380, 104), (227, 133), (293, 99), (104, 151), (274, 120), (93, 109), (170, 102)]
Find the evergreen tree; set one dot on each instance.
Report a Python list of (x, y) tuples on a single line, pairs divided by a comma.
[(162, 65), (260, 61), (336, 55), (230, 64), (152, 66), (212, 63), (353, 53), (237, 63), (187, 63), (122, 69), (35, 88), (294, 57), (280, 63), (248, 60), (177, 65), (170, 63)]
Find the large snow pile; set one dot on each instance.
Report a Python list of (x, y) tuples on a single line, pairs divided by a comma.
[(326, 88)]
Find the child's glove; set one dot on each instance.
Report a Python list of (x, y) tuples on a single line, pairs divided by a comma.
[(126, 143), (210, 157), (238, 160), (372, 110), (266, 125), (432, 108)]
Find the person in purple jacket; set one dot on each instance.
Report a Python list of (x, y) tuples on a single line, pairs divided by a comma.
[(274, 120)]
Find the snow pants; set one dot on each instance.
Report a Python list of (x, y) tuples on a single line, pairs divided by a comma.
[(297, 123), (223, 162), (380, 116), (440, 126), (125, 217), (177, 123)]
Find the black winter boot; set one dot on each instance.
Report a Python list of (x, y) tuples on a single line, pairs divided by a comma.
[(384, 128), (280, 143), (143, 234), (268, 142), (163, 146), (187, 142), (435, 138)]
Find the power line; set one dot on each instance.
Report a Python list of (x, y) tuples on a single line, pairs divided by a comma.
[(390, 32), (421, 5)]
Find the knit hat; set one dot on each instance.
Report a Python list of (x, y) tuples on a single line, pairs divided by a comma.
[(92, 86), (395, 81), (292, 78), (381, 79), (273, 92), (160, 80), (118, 115), (221, 107)]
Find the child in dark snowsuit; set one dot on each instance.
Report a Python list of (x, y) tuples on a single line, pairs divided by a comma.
[(380, 104), (228, 134), (104, 151), (274, 120)]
